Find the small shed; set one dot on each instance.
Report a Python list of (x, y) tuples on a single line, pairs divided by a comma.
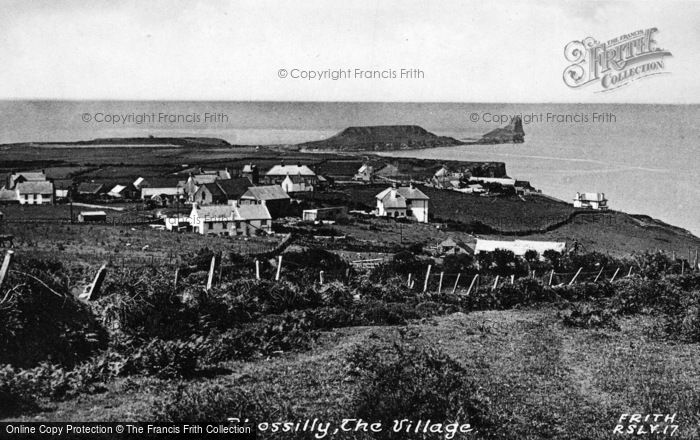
[(92, 216)]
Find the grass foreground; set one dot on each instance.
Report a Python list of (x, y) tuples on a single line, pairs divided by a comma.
[(537, 378)]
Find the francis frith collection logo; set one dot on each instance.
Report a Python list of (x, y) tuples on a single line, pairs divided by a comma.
[(614, 63)]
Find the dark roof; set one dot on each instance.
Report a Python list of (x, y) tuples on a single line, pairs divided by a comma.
[(213, 188), (90, 187), (62, 183), (160, 182), (234, 188)]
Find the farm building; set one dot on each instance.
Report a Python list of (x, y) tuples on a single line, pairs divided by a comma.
[(519, 247), (364, 174), (230, 220), (320, 214), (403, 202), (595, 201), (272, 196), (171, 191), (62, 188), (127, 191), (90, 188), (92, 216), (452, 246), (34, 192)]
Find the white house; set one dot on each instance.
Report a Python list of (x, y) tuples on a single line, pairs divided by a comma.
[(297, 183), (404, 201), (278, 173), (34, 192), (230, 220), (519, 247), (595, 201)]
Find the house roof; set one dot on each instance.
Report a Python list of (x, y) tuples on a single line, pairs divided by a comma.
[(62, 183), (117, 189), (89, 213), (90, 187), (453, 242), (35, 187), (31, 175), (295, 179), (592, 197), (8, 194), (442, 172), (407, 192), (519, 247), (201, 179), (251, 212), (269, 192), (364, 168), (213, 188), (283, 170), (214, 211), (160, 182), (234, 188), (248, 168)]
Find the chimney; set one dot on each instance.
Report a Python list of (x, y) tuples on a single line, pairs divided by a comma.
[(299, 163)]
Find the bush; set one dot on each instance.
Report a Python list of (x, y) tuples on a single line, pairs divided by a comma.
[(589, 316), (405, 382), (41, 321), (166, 359)]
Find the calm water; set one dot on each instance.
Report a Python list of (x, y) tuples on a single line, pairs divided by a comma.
[(645, 158)]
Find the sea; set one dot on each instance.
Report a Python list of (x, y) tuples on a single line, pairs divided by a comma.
[(644, 157)]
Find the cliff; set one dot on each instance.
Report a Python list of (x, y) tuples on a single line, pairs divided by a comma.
[(382, 138), (512, 133)]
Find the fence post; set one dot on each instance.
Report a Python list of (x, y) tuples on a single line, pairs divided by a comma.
[(440, 285), (408, 283), (257, 269), (614, 275), (575, 276), (495, 283), (94, 288), (454, 289), (427, 277), (320, 277), (551, 275), (177, 275), (599, 274), (682, 266), (629, 274), (279, 268), (472, 284), (5, 265), (512, 279), (210, 278)]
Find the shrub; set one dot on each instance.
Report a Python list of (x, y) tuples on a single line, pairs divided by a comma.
[(405, 382), (166, 359), (41, 321), (589, 316)]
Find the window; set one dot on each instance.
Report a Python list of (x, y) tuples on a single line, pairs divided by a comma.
[(263, 222), (224, 225), (238, 225), (210, 225)]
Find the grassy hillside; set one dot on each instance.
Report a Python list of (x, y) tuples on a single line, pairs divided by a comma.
[(542, 380)]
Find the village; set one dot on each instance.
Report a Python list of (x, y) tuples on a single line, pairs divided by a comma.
[(227, 205)]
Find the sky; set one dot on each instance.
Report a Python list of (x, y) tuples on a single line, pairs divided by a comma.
[(468, 51)]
